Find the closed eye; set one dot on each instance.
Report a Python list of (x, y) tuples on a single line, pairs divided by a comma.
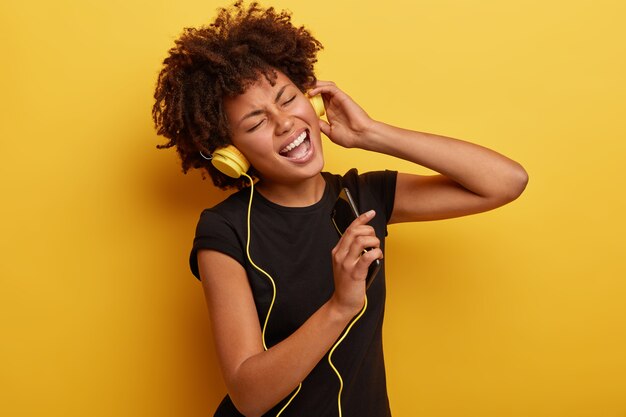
[(253, 128), (289, 101)]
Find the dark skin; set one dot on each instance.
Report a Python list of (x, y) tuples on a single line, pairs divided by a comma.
[(471, 179), (221, 60)]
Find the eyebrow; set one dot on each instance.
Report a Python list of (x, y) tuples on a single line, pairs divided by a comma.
[(257, 112)]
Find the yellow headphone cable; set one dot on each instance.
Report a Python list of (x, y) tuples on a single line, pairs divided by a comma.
[(271, 280)]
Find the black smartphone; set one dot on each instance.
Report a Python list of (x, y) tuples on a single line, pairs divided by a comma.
[(344, 213)]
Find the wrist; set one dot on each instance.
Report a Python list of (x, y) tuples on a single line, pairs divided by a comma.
[(372, 138), (342, 312)]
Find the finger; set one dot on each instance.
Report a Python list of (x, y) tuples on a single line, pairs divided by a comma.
[(327, 87), (364, 262), (362, 245), (356, 231), (364, 218), (325, 127), (352, 243), (352, 239), (357, 228), (322, 83), (357, 238), (370, 256)]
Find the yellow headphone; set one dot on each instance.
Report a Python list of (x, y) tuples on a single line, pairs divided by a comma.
[(231, 162)]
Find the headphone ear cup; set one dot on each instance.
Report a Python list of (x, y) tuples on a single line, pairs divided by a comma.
[(318, 104), (230, 161)]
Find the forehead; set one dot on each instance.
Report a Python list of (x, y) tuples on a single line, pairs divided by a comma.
[(257, 93)]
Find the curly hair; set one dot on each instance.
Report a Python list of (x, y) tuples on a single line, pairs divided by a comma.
[(222, 60)]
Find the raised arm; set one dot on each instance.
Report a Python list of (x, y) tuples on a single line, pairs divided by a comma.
[(471, 178)]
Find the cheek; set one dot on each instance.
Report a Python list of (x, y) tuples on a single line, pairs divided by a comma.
[(254, 147), (305, 112), (307, 109)]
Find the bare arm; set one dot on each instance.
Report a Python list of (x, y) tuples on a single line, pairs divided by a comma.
[(471, 178), (257, 379)]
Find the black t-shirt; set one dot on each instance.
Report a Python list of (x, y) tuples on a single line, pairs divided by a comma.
[(294, 244)]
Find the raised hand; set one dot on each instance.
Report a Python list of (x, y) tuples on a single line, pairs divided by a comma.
[(347, 121)]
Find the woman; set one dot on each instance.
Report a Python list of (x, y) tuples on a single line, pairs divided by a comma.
[(296, 330)]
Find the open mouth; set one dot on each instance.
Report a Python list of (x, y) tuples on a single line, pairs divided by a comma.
[(299, 148)]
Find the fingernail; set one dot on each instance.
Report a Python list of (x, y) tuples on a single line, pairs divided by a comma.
[(370, 213)]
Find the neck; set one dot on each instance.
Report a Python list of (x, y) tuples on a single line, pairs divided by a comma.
[(301, 194)]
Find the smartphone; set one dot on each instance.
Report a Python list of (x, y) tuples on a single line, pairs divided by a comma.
[(344, 213)]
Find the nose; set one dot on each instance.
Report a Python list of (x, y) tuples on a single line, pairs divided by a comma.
[(284, 122)]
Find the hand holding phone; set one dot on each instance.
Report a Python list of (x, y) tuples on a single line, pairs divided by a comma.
[(344, 212)]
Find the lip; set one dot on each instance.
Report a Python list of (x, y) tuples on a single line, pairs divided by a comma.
[(293, 137), (310, 153)]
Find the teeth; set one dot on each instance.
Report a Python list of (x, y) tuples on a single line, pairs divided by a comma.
[(295, 143)]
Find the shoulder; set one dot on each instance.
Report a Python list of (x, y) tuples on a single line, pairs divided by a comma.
[(372, 189), (235, 202), (222, 228), (353, 179), (228, 211)]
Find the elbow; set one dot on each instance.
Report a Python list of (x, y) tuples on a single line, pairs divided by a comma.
[(249, 395), (247, 405), (247, 408), (520, 182), (250, 413), (514, 183), (507, 186)]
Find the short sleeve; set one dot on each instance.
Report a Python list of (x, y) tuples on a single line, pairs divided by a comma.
[(382, 185), (215, 232), (373, 190)]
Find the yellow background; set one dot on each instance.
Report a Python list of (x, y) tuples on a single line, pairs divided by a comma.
[(518, 312)]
